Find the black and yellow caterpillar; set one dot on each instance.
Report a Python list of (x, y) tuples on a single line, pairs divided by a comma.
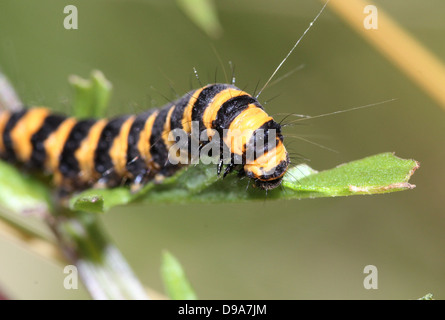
[(134, 148)]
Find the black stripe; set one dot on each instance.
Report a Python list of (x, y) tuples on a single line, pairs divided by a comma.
[(68, 165), (178, 113), (158, 149), (276, 171), (7, 141), (135, 165), (261, 137), (230, 110), (203, 101), (102, 159), (38, 155)]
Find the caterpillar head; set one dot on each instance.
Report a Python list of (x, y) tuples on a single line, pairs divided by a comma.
[(269, 166)]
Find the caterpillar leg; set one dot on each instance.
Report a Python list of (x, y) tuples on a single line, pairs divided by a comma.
[(230, 167), (219, 167), (107, 180), (102, 183), (139, 181)]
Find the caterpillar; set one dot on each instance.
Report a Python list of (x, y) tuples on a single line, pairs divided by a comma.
[(134, 148)]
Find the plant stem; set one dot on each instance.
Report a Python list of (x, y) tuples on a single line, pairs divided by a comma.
[(398, 46), (101, 266), (103, 270)]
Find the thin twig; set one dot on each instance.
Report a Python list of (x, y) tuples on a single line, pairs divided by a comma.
[(397, 45), (103, 269)]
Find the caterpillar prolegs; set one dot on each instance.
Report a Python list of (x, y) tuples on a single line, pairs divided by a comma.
[(135, 148)]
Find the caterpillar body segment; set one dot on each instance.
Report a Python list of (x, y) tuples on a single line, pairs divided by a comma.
[(135, 148)]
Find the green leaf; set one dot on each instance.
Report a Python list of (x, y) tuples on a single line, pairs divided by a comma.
[(203, 13), (89, 203), (100, 200), (382, 173), (20, 193), (175, 281), (91, 96)]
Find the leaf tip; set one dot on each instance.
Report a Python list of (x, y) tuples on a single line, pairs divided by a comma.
[(177, 285), (93, 203), (415, 167)]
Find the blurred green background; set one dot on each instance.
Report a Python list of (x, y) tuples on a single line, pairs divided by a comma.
[(263, 250)]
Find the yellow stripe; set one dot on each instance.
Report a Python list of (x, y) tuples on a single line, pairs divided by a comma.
[(212, 110), (23, 131), (167, 128), (187, 116), (85, 153), (4, 117), (144, 141), (54, 144), (243, 126), (267, 162), (118, 150)]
